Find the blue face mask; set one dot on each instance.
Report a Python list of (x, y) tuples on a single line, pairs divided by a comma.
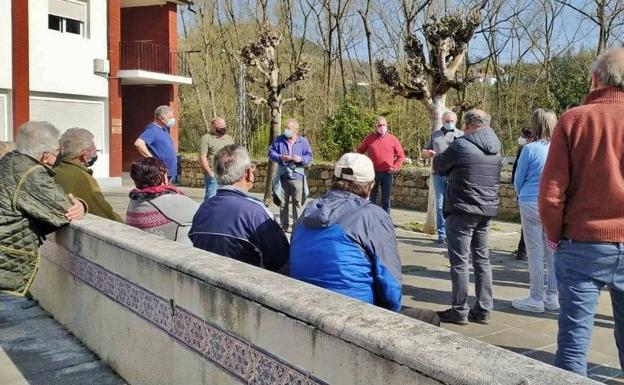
[(170, 123), (287, 133), (449, 126)]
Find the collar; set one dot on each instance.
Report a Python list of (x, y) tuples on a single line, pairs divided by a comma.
[(45, 166), (609, 94), (77, 164)]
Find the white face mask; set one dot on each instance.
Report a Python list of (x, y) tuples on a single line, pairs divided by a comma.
[(522, 141)]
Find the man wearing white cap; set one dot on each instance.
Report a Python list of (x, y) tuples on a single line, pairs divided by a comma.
[(345, 243)]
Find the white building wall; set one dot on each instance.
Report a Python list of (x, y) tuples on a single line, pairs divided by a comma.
[(64, 89), (5, 70), (62, 62)]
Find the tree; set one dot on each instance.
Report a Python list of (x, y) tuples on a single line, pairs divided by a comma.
[(261, 56), (431, 75)]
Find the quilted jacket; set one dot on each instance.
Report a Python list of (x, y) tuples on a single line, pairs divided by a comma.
[(31, 206)]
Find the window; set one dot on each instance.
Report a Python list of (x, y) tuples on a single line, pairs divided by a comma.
[(67, 16)]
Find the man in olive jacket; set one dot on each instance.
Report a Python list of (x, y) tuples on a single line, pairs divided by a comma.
[(74, 175), (32, 205)]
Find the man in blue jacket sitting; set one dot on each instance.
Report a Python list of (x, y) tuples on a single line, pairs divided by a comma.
[(346, 244), (235, 224)]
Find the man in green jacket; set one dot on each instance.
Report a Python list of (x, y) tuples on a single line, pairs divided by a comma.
[(32, 205), (78, 153)]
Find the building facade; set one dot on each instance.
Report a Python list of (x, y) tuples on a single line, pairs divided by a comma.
[(97, 64)]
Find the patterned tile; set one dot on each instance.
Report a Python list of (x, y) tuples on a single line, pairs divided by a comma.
[(243, 360)]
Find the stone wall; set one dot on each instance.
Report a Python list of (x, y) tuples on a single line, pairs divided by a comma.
[(158, 312), (409, 192)]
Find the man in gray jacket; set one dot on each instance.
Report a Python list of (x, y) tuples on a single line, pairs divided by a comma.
[(473, 165)]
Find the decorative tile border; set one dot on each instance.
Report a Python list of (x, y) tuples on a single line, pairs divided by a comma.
[(243, 360)]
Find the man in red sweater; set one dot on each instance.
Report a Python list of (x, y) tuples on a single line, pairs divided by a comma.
[(581, 207), (386, 152)]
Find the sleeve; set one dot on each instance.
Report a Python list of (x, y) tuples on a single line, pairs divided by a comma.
[(42, 199), (444, 162), (399, 155), (148, 136), (98, 204), (306, 153), (274, 151), (273, 244), (429, 145), (554, 185), (382, 247), (521, 170), (203, 146), (363, 147)]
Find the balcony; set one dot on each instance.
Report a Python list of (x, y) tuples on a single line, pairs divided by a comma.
[(145, 62)]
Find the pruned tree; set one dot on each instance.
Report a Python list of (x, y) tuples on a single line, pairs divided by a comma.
[(260, 57), (432, 69)]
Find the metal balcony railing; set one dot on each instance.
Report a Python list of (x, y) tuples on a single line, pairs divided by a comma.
[(148, 56)]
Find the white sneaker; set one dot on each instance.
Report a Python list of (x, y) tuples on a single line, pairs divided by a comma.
[(551, 302), (528, 304)]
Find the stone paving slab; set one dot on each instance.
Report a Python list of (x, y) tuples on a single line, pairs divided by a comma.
[(427, 284), (35, 349)]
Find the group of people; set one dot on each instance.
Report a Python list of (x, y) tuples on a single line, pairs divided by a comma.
[(569, 181)]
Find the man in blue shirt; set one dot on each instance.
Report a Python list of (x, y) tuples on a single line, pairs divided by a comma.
[(155, 141), (292, 153)]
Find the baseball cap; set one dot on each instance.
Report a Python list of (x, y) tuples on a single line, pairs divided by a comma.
[(355, 167)]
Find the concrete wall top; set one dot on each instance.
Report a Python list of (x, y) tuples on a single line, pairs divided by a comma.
[(63, 62), (436, 353)]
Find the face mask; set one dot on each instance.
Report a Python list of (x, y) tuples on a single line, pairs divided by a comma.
[(450, 126), (381, 130), (221, 130), (522, 141), (170, 123), (287, 133), (91, 160)]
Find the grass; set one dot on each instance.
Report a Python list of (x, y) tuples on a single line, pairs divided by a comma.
[(413, 226)]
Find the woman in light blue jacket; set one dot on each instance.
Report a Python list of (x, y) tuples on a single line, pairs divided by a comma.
[(526, 181)]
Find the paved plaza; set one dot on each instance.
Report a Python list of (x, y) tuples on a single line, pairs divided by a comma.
[(426, 283)]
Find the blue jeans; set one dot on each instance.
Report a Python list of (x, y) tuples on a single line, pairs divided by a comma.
[(211, 186), (439, 187), (583, 269), (383, 180)]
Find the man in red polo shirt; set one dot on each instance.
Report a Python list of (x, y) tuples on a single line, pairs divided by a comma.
[(386, 152)]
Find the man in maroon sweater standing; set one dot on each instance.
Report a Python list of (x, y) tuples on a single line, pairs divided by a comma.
[(385, 150), (580, 202)]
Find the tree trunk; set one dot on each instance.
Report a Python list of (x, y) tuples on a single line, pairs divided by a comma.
[(276, 123), (436, 109)]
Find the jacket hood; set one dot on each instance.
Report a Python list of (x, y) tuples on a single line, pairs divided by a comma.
[(485, 139), (329, 208)]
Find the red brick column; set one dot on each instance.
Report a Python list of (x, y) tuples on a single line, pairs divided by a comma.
[(20, 64), (114, 88)]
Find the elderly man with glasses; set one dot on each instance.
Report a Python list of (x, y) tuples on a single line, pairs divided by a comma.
[(32, 205)]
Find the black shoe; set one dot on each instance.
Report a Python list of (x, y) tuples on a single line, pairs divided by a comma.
[(521, 255), (479, 316), (452, 316), (440, 241)]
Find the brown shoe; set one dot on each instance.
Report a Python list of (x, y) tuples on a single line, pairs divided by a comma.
[(285, 228)]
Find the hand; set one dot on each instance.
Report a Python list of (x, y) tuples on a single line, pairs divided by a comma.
[(552, 245), (296, 159), (391, 171), (76, 211), (210, 173), (285, 157)]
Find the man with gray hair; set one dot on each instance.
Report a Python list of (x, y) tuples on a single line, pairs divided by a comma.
[(580, 205), (291, 152), (31, 204), (78, 153), (235, 224), (439, 141), (473, 165), (155, 140)]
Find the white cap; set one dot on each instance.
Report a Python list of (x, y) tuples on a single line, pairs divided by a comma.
[(355, 167)]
